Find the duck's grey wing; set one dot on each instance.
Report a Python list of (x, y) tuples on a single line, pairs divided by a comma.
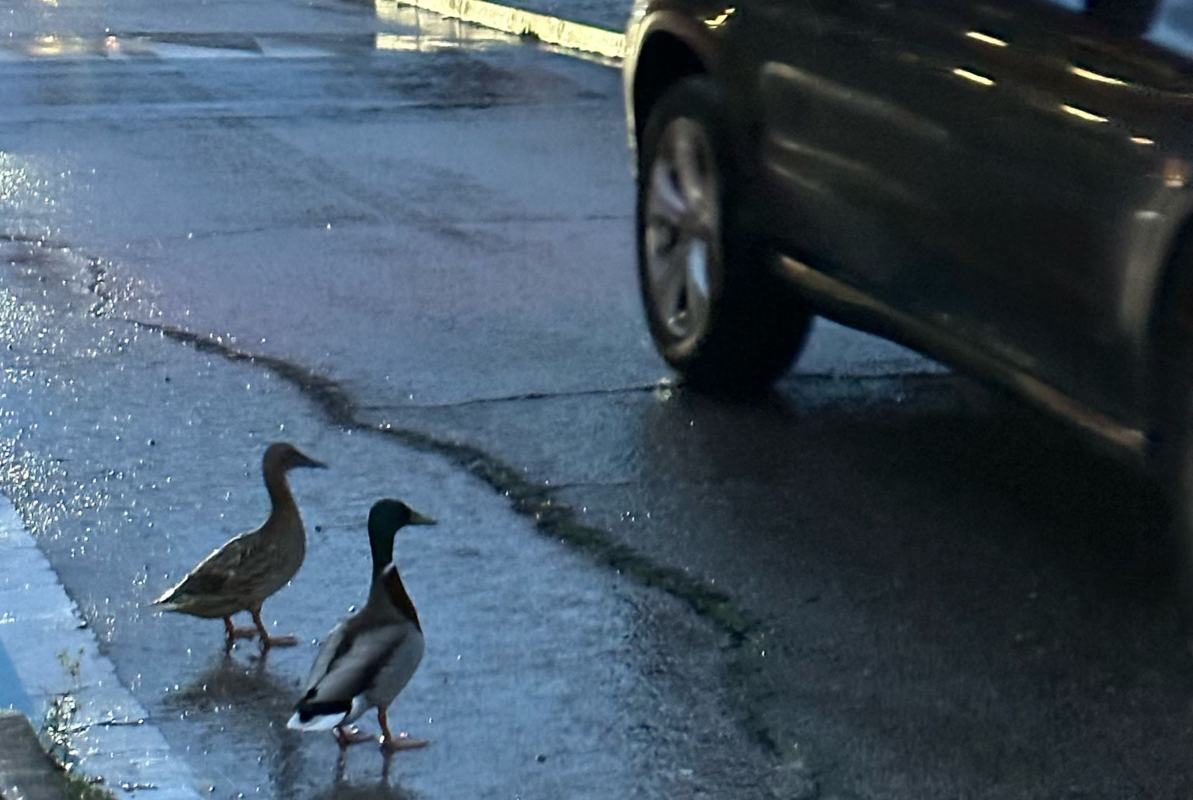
[(327, 651), (347, 666)]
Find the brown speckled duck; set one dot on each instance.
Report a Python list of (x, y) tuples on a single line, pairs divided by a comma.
[(252, 566)]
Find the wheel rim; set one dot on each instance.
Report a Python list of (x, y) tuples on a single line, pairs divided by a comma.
[(682, 229)]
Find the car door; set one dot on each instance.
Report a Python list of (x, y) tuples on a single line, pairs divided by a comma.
[(982, 165), (1055, 189), (841, 128)]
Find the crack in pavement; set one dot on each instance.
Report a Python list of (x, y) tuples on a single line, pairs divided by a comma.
[(661, 385), (527, 497), (667, 384), (746, 635)]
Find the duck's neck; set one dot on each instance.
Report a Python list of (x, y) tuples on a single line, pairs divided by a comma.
[(387, 590), (382, 546), (280, 500)]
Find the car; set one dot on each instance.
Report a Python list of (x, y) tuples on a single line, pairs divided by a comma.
[(1002, 185)]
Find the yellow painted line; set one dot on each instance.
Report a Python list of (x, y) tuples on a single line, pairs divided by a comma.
[(547, 29)]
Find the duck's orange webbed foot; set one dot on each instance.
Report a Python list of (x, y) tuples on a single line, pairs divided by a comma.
[(289, 640), (233, 633), (268, 641), (391, 743), (348, 735)]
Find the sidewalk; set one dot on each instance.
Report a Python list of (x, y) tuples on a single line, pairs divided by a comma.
[(585, 28), (12, 692), (46, 650), (607, 14)]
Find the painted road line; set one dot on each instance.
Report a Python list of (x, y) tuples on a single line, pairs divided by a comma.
[(547, 29), (39, 625)]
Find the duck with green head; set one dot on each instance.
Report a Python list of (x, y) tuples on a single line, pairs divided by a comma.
[(369, 657)]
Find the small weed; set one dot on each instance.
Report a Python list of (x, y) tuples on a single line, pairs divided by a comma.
[(59, 723), (81, 787), (57, 734)]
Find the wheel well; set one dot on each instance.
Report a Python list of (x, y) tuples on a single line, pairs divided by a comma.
[(1171, 334), (663, 61)]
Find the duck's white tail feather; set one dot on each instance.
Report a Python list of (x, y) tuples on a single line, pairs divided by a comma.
[(324, 722)]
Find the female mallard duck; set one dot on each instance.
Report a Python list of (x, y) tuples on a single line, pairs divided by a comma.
[(252, 566), (370, 656)]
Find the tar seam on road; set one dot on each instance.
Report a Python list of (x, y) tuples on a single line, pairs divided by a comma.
[(528, 498), (664, 385), (639, 388)]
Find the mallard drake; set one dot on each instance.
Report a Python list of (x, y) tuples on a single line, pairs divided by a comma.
[(370, 656), (252, 566)]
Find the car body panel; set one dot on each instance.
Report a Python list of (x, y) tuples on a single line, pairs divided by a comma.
[(1012, 175)]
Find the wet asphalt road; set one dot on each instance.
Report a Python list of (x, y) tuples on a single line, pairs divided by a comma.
[(879, 582)]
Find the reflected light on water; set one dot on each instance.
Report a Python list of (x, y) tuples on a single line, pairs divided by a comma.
[(14, 178), (411, 43)]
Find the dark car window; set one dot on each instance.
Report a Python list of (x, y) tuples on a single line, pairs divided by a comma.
[(1166, 24), (1126, 17), (1173, 26)]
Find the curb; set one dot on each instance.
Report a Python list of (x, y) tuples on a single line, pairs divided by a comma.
[(555, 31), (39, 624), (26, 771), (12, 691)]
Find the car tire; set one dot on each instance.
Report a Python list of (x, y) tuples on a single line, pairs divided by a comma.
[(1171, 457), (1178, 485), (1176, 475), (717, 314)]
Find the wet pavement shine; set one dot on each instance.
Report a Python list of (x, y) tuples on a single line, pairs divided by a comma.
[(405, 245), (131, 456)]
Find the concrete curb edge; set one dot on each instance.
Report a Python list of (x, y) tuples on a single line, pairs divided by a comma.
[(550, 30), (25, 770), (117, 741)]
